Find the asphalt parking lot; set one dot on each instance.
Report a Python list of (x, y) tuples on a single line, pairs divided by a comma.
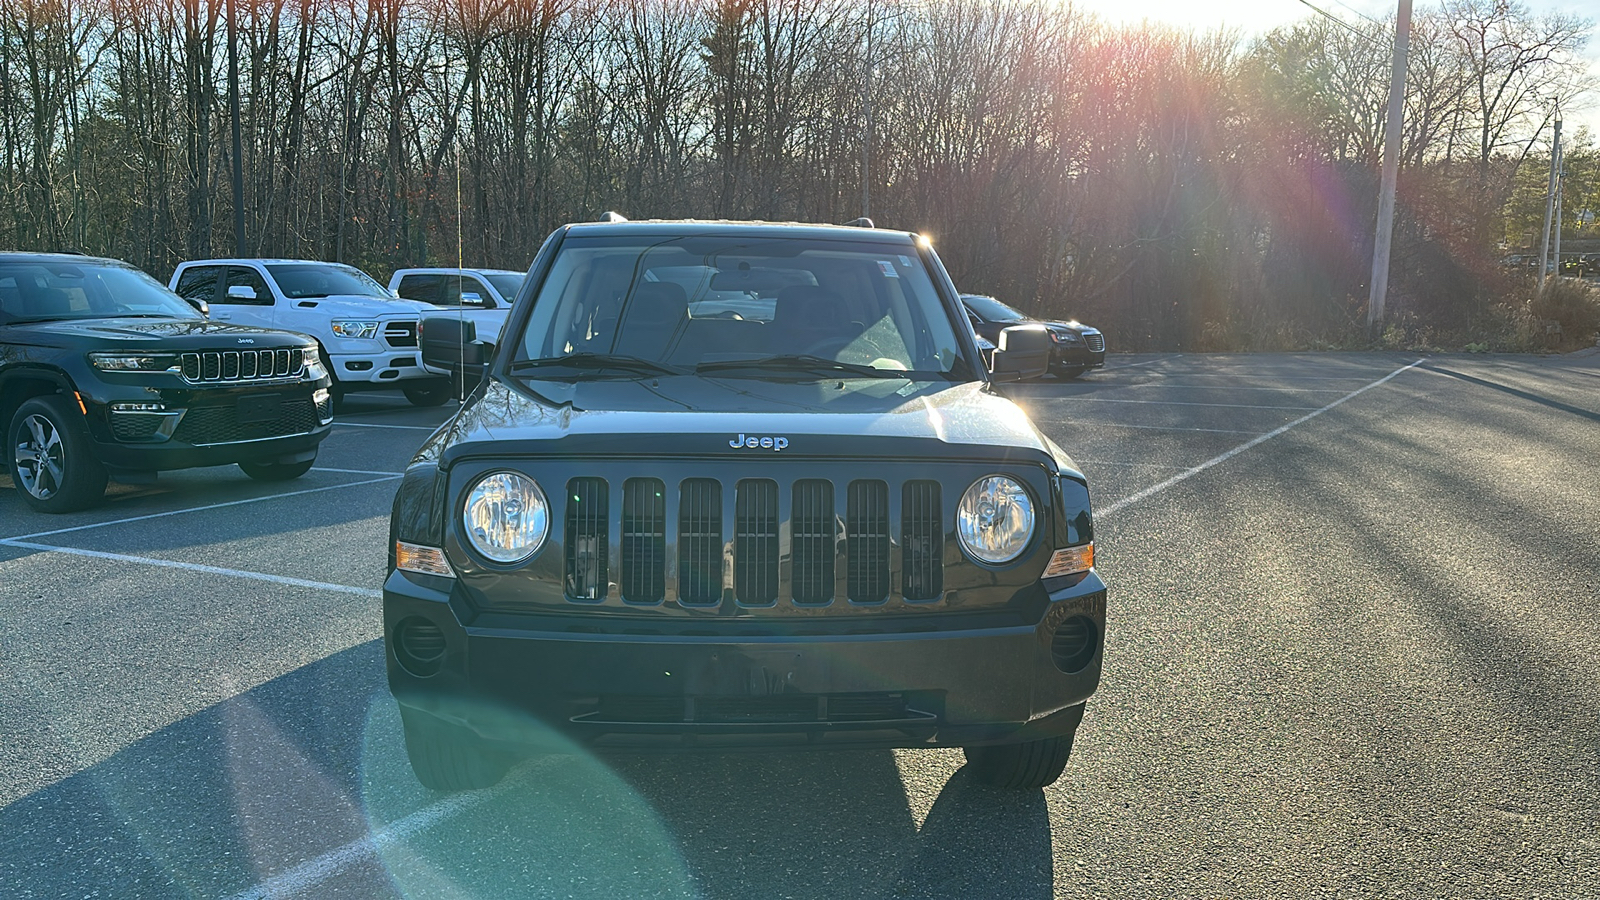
[(1352, 653)]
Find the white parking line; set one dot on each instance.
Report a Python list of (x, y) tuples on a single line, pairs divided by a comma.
[(1189, 473), (1230, 387), (338, 424), (356, 471), (1148, 362), (312, 872), (179, 512), (1157, 427), (1174, 403), (195, 567)]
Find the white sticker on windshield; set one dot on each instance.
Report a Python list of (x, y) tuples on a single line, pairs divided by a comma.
[(905, 261), (888, 268)]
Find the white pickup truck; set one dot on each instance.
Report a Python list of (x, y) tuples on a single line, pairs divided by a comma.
[(368, 335), (470, 307)]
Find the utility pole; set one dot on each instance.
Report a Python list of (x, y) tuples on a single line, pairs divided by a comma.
[(866, 139), (1550, 200), (238, 143), (1379, 285)]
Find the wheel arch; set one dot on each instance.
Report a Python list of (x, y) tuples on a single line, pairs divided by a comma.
[(19, 385)]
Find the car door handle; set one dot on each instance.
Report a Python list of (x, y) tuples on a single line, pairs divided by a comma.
[(222, 315)]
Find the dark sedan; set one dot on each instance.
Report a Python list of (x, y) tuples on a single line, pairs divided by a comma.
[(1078, 348)]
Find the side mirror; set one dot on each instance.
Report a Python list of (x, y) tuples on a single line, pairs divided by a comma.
[(472, 298), (200, 306), (1022, 353), (241, 292)]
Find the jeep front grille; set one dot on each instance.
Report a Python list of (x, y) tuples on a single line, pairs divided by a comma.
[(220, 424), (867, 542), (586, 538), (813, 531), (1095, 342), (644, 540), (241, 365), (700, 543), (755, 542), (921, 542)]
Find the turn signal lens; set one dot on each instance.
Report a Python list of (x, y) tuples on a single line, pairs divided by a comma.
[(424, 560), (1070, 561)]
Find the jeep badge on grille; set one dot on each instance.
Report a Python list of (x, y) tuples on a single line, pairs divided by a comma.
[(759, 443)]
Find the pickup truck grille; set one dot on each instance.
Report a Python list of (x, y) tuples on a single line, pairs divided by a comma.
[(400, 334), (1095, 342), (754, 565), (241, 365)]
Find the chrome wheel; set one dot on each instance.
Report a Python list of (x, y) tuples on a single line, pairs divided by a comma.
[(40, 457)]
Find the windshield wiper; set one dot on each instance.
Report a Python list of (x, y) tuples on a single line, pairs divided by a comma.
[(598, 361), (802, 362)]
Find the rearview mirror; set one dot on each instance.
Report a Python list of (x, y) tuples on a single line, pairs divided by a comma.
[(1021, 354)]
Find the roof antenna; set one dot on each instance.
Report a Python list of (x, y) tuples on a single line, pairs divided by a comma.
[(609, 216)]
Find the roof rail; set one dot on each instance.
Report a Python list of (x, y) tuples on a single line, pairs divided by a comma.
[(862, 222), (609, 216)]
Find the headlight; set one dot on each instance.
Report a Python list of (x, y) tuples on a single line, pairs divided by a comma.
[(506, 517), (352, 329), (995, 521), (133, 362), (314, 368)]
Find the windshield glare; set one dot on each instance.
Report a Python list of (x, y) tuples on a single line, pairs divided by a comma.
[(300, 281), (992, 310), (83, 290), (684, 301)]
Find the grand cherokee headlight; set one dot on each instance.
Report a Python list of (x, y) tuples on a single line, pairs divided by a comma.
[(506, 517), (352, 329), (133, 362), (995, 520)]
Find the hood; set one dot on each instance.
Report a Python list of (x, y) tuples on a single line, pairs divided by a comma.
[(171, 334), (354, 305), (703, 418)]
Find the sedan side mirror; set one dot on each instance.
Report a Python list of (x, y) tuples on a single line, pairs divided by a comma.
[(241, 292), (1022, 353)]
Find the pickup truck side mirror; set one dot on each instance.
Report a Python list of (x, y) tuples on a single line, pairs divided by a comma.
[(200, 306), (241, 292), (1021, 354)]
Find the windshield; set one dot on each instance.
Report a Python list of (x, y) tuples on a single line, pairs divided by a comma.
[(300, 281), (43, 291), (506, 283), (992, 310), (711, 302)]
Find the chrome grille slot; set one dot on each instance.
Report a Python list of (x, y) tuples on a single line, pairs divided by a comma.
[(241, 365), (400, 334), (644, 540), (585, 539), (921, 541), (812, 532), (1095, 342), (867, 541), (755, 542), (700, 542)]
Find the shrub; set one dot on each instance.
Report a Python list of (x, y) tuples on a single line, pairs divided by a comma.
[(1573, 306)]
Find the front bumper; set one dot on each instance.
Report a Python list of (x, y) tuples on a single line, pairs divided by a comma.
[(936, 681), (205, 425), (378, 369)]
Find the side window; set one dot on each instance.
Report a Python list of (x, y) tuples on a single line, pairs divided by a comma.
[(420, 287), (199, 283), (245, 287)]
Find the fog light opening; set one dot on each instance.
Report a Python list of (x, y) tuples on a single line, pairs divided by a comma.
[(419, 646), (1075, 644)]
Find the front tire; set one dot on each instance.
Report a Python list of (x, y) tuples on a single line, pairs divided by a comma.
[(1026, 766), (447, 757), (432, 393), (52, 460), (268, 471)]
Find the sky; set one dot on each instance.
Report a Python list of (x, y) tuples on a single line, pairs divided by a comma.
[(1256, 16)]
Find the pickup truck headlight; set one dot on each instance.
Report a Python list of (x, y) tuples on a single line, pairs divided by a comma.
[(506, 517), (347, 328), (995, 519), (133, 362)]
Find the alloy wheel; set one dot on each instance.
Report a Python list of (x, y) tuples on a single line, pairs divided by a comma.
[(40, 457)]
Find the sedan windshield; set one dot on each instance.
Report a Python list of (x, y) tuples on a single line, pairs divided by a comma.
[(300, 281), (47, 291), (743, 307), (992, 310)]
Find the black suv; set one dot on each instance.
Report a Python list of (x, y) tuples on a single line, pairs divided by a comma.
[(1077, 347), (742, 485), (104, 374)]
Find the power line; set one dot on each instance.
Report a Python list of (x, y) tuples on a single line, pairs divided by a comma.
[(1358, 12), (1346, 25)]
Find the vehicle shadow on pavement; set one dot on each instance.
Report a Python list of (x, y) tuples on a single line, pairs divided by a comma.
[(304, 779)]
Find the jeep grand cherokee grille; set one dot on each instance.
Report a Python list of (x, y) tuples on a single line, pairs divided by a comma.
[(751, 570), (241, 365), (221, 425)]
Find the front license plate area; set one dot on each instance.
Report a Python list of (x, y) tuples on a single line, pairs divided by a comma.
[(260, 408)]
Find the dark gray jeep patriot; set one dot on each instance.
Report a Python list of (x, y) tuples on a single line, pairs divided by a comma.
[(742, 485)]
